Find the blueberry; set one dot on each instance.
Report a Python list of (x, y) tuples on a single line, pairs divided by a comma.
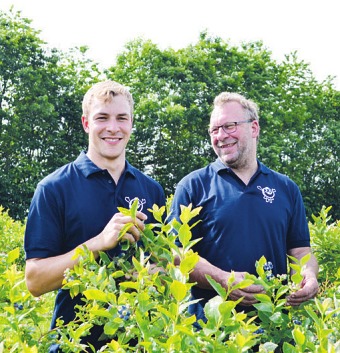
[(18, 306), (297, 322), (124, 312), (152, 291), (268, 266), (270, 277), (259, 331)]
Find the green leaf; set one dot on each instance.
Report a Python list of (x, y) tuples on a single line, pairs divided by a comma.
[(129, 284), (264, 298), (226, 309), (184, 234), (95, 294), (277, 318), (118, 274), (298, 336), (305, 259), (288, 348), (211, 309), (134, 208), (188, 263), (270, 347), (243, 284), (217, 286), (266, 307), (313, 315), (297, 278), (111, 327), (166, 312), (81, 330), (259, 266), (124, 230), (296, 267), (281, 291), (185, 214), (158, 213), (13, 255), (178, 290)]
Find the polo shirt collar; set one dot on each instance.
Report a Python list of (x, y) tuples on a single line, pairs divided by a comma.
[(218, 166), (87, 167)]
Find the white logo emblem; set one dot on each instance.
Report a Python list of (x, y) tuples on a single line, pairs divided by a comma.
[(140, 202), (268, 193)]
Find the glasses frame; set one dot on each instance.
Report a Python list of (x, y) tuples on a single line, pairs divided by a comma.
[(216, 129)]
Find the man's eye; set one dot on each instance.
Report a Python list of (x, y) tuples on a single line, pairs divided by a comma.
[(123, 118), (228, 126)]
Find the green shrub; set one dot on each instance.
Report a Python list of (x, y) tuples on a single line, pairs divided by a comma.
[(325, 239), (24, 320), (141, 301), (12, 235), (134, 304)]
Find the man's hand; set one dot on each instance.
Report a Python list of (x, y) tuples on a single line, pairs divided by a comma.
[(110, 236), (247, 293), (309, 289), (309, 286)]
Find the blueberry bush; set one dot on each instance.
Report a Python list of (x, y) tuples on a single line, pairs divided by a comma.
[(141, 300)]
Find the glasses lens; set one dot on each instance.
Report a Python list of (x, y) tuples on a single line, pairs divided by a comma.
[(229, 128)]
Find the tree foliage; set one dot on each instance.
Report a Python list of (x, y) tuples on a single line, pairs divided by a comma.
[(40, 99), (40, 95), (174, 90)]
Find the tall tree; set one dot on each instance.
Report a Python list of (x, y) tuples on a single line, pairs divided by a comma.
[(40, 101), (174, 91)]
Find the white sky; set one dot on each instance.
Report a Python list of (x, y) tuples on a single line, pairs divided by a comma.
[(312, 27)]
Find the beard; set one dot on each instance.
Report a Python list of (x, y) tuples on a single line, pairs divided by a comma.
[(237, 160)]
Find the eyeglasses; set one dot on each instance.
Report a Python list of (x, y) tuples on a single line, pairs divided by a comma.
[(228, 128)]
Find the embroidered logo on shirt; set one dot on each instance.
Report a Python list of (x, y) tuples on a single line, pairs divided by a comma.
[(268, 193), (140, 202)]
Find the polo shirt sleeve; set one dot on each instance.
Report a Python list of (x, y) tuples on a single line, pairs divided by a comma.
[(298, 231), (43, 233), (181, 197)]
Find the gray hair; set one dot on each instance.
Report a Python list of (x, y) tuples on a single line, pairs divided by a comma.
[(249, 106)]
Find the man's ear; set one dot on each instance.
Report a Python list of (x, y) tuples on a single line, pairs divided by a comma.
[(85, 124), (256, 128)]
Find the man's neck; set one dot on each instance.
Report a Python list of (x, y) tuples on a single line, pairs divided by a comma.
[(245, 174), (115, 167), (116, 171)]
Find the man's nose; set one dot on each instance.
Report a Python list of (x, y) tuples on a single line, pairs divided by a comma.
[(112, 125)]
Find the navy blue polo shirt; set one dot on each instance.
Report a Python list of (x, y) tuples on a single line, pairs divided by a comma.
[(240, 223), (74, 204)]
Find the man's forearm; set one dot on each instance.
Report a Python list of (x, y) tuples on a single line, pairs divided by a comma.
[(204, 268)]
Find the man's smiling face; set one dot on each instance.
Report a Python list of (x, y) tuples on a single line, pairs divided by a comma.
[(235, 149), (109, 126)]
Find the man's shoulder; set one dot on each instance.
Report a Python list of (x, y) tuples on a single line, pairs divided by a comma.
[(70, 171), (278, 177), (141, 176), (198, 175), (58, 176)]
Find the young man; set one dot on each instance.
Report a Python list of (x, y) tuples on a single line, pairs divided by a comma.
[(77, 204), (248, 211)]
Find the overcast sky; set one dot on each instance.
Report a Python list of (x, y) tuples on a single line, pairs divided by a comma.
[(311, 27)]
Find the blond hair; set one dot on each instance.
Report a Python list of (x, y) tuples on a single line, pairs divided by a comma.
[(104, 91)]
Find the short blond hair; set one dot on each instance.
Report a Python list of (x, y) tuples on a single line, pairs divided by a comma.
[(249, 106), (105, 91)]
